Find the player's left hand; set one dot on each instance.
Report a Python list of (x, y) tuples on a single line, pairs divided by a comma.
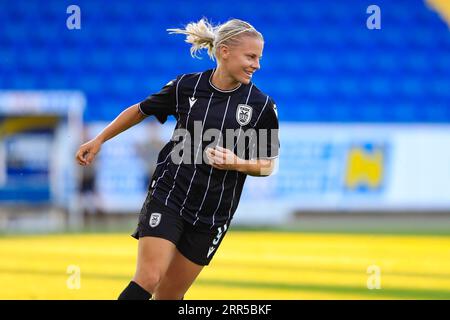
[(223, 159)]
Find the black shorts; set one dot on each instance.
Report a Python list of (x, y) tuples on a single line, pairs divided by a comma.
[(198, 243)]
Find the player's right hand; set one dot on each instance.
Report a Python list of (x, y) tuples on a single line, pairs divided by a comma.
[(87, 152)]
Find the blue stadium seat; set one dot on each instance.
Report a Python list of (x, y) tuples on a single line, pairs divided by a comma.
[(320, 63)]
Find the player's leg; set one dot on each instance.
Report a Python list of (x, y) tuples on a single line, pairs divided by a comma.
[(195, 249), (180, 275), (158, 230), (153, 259)]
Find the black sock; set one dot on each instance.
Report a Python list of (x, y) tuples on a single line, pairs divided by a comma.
[(134, 292)]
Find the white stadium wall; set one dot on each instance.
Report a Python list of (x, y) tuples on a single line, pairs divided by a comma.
[(321, 168)]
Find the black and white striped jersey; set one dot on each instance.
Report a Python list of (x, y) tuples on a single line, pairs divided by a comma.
[(191, 186)]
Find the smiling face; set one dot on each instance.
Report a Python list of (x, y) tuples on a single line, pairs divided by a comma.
[(241, 59)]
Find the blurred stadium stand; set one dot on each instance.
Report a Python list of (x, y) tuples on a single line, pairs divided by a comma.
[(319, 64)]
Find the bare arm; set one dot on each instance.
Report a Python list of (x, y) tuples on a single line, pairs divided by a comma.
[(257, 168), (224, 159), (128, 118), (125, 120)]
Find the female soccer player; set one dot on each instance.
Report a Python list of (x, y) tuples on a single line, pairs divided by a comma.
[(197, 184)]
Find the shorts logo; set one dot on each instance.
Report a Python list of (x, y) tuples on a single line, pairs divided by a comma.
[(244, 114), (155, 219)]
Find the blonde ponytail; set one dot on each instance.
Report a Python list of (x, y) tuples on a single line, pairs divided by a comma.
[(200, 34), (203, 35)]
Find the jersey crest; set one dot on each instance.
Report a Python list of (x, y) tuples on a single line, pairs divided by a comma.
[(244, 114)]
